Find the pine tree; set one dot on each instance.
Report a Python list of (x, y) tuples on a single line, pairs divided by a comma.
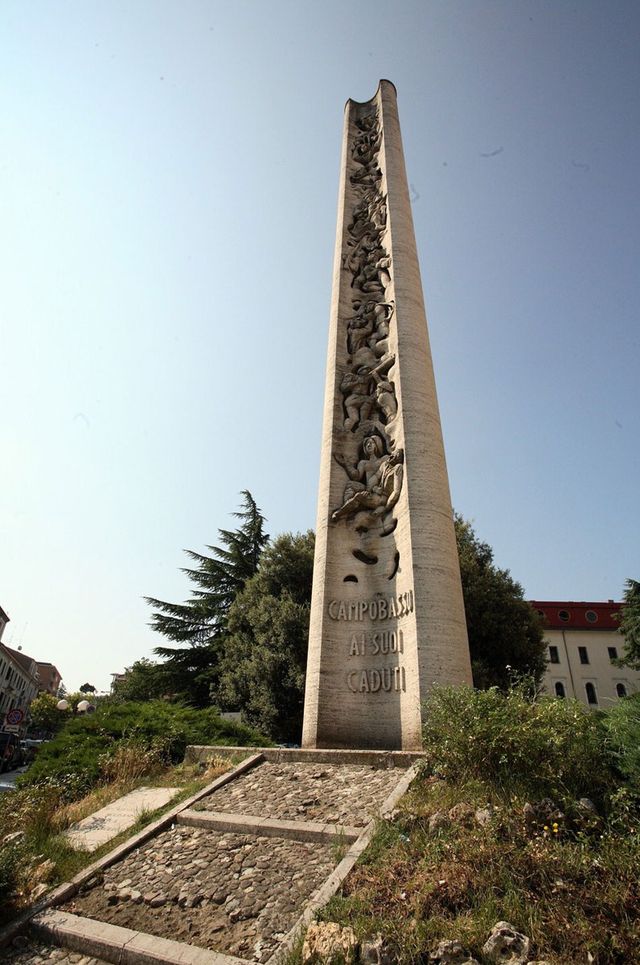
[(630, 625), (202, 620)]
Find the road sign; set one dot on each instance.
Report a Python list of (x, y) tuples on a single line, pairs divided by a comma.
[(12, 728), (15, 716)]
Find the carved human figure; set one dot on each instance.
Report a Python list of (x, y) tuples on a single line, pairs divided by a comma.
[(372, 275), (369, 215), (386, 396), (360, 389), (375, 482), (359, 401), (366, 176)]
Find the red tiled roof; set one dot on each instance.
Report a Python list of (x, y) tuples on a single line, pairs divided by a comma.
[(570, 615)]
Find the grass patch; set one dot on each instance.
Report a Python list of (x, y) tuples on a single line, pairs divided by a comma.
[(33, 849)]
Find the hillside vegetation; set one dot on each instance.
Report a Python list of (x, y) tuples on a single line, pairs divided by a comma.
[(93, 760), (525, 811)]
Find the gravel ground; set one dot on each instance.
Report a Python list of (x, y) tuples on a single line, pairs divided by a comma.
[(236, 893), (338, 794), (30, 951)]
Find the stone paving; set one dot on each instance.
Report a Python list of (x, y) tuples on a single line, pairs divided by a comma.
[(30, 951), (95, 830), (334, 793), (236, 893)]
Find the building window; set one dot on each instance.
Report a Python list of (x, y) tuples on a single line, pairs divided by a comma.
[(584, 656), (591, 616), (613, 653), (554, 656), (560, 689), (621, 690), (591, 693), (564, 615)]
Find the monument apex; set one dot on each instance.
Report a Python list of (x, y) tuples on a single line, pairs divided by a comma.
[(387, 614)]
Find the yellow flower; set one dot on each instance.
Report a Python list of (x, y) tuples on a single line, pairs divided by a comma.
[(546, 827)]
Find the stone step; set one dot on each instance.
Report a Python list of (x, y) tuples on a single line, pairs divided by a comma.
[(225, 884), (268, 827), (121, 946)]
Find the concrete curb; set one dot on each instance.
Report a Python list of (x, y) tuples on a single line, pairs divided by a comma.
[(68, 888), (327, 890), (269, 827), (121, 946), (199, 753)]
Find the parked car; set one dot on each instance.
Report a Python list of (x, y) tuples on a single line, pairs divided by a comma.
[(30, 746), (10, 752)]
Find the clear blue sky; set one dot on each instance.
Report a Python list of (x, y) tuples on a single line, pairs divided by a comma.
[(168, 186)]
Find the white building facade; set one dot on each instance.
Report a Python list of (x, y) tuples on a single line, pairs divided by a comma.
[(583, 644)]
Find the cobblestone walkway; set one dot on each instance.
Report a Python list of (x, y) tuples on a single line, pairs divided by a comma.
[(337, 794), (236, 893), (30, 951)]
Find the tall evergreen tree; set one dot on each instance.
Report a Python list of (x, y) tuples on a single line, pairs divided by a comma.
[(265, 658), (630, 625), (201, 621)]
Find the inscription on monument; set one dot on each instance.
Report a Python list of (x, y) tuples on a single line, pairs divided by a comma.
[(381, 608), (377, 681), (385, 641)]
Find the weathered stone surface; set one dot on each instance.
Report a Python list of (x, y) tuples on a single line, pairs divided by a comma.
[(332, 793), (506, 945), (230, 892), (378, 951), (95, 830), (452, 953), (484, 816), (541, 813), (438, 821), (325, 941), (26, 950), (462, 814)]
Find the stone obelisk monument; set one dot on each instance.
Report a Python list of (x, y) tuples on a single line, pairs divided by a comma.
[(387, 615)]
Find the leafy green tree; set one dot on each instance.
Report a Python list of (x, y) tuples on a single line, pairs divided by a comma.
[(45, 715), (87, 689), (506, 636), (143, 680), (266, 651), (630, 625), (201, 622)]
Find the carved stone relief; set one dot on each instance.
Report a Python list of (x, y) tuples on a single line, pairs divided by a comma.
[(370, 458)]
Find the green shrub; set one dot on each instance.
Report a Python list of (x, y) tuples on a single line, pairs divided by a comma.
[(11, 861), (155, 732), (622, 724), (548, 746)]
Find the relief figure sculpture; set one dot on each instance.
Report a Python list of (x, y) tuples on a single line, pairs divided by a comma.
[(360, 389), (368, 332), (375, 483), (371, 275)]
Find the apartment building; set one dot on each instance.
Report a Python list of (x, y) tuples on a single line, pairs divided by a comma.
[(583, 643)]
